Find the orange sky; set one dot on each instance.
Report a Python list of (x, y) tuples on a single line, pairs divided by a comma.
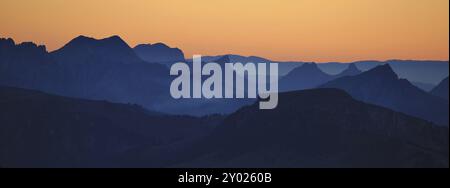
[(307, 30)]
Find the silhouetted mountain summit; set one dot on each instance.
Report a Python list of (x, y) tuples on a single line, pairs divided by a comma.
[(383, 71), (441, 90), (28, 65), (105, 69), (6, 42), (10, 51), (233, 58), (108, 69), (351, 70), (423, 86), (159, 53), (82, 49), (381, 86), (306, 76), (321, 128), (223, 59)]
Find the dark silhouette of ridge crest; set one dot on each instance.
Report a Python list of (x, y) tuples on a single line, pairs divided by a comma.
[(92, 42), (56, 131), (233, 58), (159, 53), (382, 86), (319, 93), (160, 45), (9, 43), (322, 128), (441, 90), (310, 66), (382, 71), (110, 49), (350, 71), (307, 76)]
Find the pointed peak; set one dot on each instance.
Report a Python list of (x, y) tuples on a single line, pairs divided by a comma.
[(351, 70), (114, 40), (385, 67), (32, 45), (8, 43), (384, 70), (352, 66)]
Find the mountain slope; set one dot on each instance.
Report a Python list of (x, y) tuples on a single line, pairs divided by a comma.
[(108, 69), (41, 130), (82, 49), (159, 53), (424, 86), (413, 70), (320, 128), (441, 90), (309, 76), (381, 86), (351, 70), (101, 69), (306, 76)]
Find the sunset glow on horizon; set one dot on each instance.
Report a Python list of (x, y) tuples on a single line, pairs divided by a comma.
[(285, 30)]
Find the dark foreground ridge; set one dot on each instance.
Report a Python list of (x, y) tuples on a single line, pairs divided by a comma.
[(322, 128), (311, 128)]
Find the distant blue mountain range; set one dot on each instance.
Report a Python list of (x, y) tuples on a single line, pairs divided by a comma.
[(417, 71), (381, 86), (101, 103), (109, 69), (309, 76)]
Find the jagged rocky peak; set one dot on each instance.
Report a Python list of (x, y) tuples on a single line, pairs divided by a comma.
[(24, 49), (7, 42)]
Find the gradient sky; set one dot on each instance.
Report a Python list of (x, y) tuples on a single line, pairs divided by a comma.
[(307, 30)]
